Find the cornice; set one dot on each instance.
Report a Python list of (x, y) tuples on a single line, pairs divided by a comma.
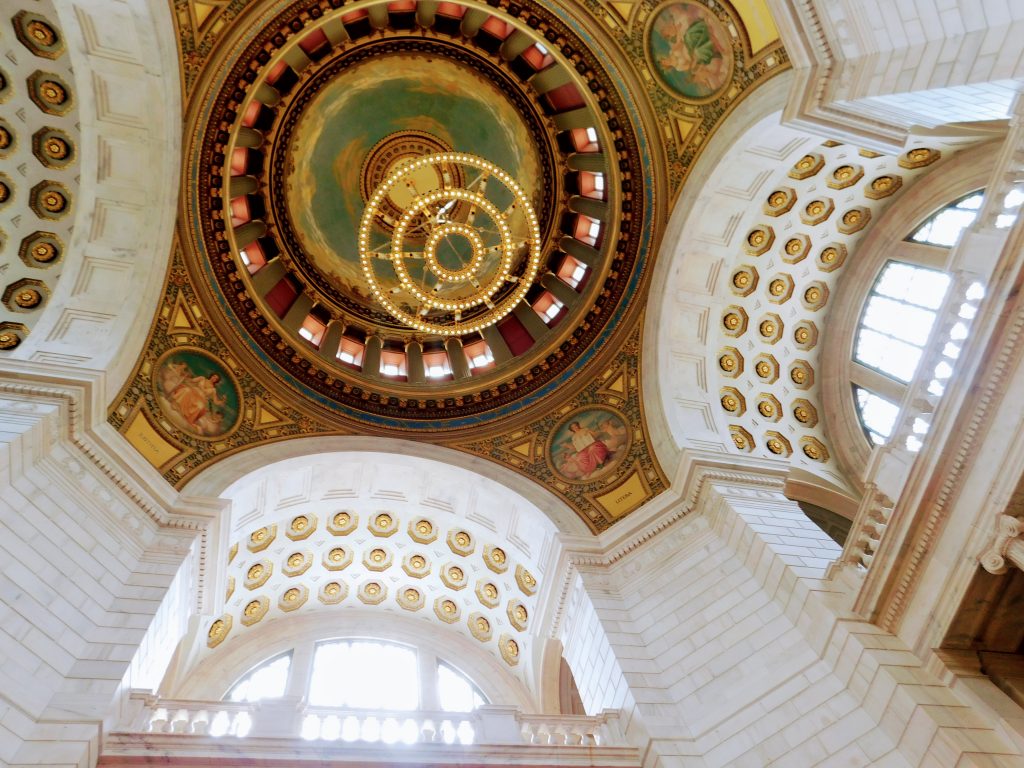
[(696, 477), (78, 426), (815, 66)]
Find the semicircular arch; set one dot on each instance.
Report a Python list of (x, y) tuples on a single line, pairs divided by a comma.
[(425, 459), (967, 171)]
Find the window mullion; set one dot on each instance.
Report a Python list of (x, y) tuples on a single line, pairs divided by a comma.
[(877, 382), (428, 681), (921, 254), (300, 671)]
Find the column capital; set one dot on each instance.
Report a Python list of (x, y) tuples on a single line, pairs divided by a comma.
[(1008, 531)]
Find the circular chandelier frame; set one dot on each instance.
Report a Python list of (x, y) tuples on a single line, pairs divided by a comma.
[(432, 206)]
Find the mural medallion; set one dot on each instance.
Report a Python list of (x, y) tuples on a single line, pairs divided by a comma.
[(589, 444), (196, 393), (690, 50)]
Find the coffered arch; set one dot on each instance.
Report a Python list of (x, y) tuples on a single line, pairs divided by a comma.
[(747, 301), (671, 383), (347, 534), (115, 254)]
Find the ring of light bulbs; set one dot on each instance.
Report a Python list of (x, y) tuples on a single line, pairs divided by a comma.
[(428, 205)]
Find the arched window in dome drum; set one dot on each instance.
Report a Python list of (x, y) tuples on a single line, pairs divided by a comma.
[(945, 226)]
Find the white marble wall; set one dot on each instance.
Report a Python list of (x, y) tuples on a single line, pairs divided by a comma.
[(869, 70), (725, 646), (83, 571)]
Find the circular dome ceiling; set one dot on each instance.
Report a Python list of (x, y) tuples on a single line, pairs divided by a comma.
[(356, 121), (420, 215)]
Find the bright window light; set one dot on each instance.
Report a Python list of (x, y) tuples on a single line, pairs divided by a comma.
[(945, 227), (267, 681), (478, 354), (548, 307), (571, 271), (585, 139), (436, 372), (898, 317), (552, 311), (900, 320), (436, 365), (481, 359), (455, 692), (393, 362), (364, 674), (313, 330), (351, 351), (877, 414), (885, 353), (1011, 203)]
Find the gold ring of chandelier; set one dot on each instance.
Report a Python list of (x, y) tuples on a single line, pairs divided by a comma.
[(504, 249)]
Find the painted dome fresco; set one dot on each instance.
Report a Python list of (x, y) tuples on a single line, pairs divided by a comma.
[(433, 221), (418, 215)]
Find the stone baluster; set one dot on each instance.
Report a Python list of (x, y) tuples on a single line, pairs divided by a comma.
[(610, 730), (158, 722), (181, 722), (868, 529)]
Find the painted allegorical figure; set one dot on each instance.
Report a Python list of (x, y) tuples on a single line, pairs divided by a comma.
[(589, 445), (691, 50), (591, 452), (198, 400)]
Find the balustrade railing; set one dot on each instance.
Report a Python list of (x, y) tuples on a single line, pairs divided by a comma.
[(602, 730), (938, 361), (289, 718)]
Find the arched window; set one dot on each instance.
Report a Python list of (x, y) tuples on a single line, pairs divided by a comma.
[(898, 317), (944, 227), (455, 692), (363, 674), (265, 681)]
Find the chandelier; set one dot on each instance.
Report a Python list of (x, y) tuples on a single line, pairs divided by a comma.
[(449, 243)]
